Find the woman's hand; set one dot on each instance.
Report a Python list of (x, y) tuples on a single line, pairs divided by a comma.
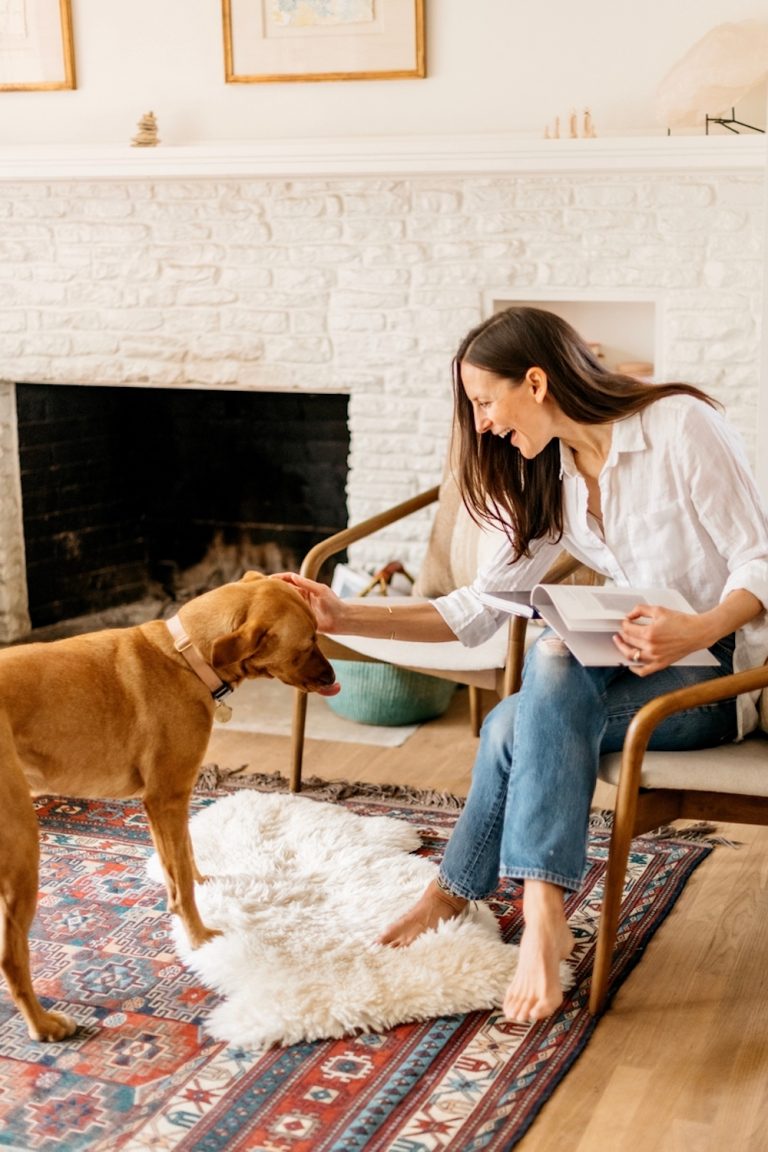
[(326, 605), (415, 620), (652, 638)]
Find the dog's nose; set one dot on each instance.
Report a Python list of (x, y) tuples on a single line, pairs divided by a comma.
[(330, 685)]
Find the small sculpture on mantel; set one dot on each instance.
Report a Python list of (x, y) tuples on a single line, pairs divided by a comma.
[(587, 127), (146, 137)]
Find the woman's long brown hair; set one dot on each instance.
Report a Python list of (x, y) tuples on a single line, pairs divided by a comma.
[(499, 485)]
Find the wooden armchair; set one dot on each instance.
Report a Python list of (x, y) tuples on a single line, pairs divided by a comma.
[(727, 783), (457, 546)]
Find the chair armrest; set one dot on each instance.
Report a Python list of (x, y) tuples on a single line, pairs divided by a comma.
[(651, 714), (648, 718), (317, 556)]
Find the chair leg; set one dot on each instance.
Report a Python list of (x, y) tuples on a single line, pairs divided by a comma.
[(475, 708), (615, 874), (298, 726)]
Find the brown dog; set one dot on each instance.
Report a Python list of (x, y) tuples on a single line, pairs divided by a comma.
[(129, 712)]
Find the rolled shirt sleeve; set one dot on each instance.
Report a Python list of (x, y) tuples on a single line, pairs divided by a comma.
[(473, 621)]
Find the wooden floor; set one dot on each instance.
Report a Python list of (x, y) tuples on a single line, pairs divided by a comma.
[(680, 1061)]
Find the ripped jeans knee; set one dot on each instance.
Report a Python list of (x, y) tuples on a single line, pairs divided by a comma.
[(552, 645)]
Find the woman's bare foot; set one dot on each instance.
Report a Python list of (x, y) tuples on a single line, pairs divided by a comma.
[(434, 906), (536, 991)]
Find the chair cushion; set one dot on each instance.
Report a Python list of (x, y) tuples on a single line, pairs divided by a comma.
[(740, 768)]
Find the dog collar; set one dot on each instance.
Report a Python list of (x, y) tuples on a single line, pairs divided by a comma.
[(191, 654)]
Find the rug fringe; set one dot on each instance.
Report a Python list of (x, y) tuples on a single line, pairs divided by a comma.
[(601, 820), (702, 832), (213, 778)]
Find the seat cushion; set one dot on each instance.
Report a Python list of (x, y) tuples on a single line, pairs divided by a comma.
[(740, 768)]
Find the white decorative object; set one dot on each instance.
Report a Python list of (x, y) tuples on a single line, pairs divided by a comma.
[(301, 890), (715, 74)]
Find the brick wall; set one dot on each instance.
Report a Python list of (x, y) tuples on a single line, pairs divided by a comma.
[(362, 285)]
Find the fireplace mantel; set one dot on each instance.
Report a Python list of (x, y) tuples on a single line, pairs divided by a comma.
[(368, 155)]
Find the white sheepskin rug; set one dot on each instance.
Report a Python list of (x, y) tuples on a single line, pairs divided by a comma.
[(301, 890)]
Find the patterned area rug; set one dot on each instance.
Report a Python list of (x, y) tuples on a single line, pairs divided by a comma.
[(143, 1073)]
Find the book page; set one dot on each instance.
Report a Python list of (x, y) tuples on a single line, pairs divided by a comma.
[(593, 647), (584, 607)]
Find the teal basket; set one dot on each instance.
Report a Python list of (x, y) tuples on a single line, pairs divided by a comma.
[(384, 694)]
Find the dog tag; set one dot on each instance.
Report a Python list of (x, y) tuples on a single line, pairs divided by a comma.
[(223, 712)]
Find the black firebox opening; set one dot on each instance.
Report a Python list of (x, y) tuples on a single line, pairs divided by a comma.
[(131, 492)]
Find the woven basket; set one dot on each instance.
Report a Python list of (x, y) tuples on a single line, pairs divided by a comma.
[(384, 694)]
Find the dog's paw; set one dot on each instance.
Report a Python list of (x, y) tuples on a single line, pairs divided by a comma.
[(204, 937), (52, 1026)]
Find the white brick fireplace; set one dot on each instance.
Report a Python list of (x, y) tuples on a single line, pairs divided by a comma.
[(356, 268)]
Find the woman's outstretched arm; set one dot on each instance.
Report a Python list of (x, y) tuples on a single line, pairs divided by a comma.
[(375, 618)]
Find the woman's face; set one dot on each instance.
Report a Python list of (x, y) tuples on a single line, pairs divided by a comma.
[(518, 412)]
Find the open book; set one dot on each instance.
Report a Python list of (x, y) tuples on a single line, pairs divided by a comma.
[(586, 616)]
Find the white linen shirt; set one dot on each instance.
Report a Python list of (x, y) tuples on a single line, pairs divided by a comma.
[(680, 509)]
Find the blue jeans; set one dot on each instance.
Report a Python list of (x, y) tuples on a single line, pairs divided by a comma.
[(527, 811)]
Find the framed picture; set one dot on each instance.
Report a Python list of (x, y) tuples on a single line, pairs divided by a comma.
[(269, 41), (36, 52)]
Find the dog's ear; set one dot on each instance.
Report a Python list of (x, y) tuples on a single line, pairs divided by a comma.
[(244, 579), (237, 645)]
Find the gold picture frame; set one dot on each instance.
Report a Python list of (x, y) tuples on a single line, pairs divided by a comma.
[(278, 41), (36, 47)]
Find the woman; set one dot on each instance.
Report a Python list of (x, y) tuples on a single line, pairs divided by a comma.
[(647, 485)]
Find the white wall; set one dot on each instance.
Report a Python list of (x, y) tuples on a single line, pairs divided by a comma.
[(493, 66)]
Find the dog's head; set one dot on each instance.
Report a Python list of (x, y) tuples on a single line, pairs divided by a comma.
[(273, 633)]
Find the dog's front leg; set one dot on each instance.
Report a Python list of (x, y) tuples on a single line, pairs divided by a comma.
[(168, 823)]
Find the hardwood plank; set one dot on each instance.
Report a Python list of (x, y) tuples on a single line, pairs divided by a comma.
[(613, 1118)]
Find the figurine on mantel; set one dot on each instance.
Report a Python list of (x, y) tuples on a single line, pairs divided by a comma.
[(146, 137), (587, 127)]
